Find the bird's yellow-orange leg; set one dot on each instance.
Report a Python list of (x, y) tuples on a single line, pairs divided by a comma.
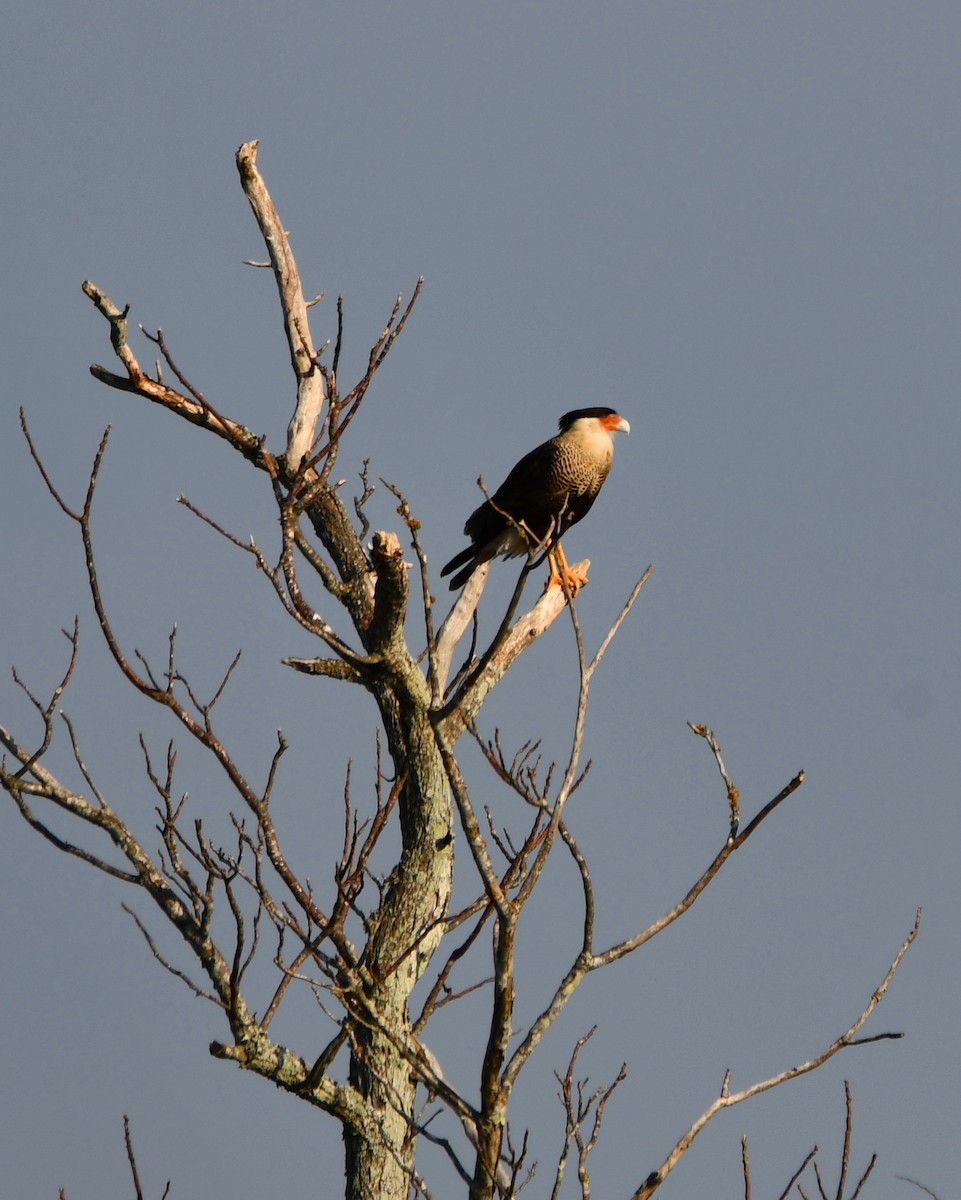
[(559, 566)]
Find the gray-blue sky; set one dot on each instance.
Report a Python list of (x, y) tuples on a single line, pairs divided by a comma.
[(736, 223)]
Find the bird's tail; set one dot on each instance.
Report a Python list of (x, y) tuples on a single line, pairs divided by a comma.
[(462, 576), (466, 555)]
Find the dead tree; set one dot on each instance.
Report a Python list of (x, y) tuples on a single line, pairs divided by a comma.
[(364, 944)]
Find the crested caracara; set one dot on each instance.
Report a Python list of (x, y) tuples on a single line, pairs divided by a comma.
[(548, 491)]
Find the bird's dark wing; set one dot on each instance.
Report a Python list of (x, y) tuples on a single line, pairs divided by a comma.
[(553, 487), (530, 495)]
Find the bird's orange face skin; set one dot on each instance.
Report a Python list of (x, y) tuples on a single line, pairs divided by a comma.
[(612, 423)]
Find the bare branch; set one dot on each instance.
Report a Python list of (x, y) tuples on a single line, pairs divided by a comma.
[(457, 621), (46, 711), (864, 1178), (188, 407), (249, 547), (727, 1099), (846, 1151), (159, 341), (84, 770), (43, 470), (168, 966), (343, 411), (577, 1110), (697, 889), (19, 790), (914, 1183), (798, 1173), (508, 644), (128, 1141), (404, 511), (311, 392), (733, 795)]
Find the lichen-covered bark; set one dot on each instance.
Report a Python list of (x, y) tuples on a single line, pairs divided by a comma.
[(408, 925)]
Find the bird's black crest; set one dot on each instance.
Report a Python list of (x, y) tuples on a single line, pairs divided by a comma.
[(568, 419)]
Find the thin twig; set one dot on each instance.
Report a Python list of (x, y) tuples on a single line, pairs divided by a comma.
[(733, 796), (798, 1173), (915, 1183)]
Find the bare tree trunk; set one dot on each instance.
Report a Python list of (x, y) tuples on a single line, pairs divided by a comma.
[(408, 924), (379, 1158), (408, 927)]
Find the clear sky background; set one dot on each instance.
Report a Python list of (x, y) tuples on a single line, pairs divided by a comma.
[(738, 224)]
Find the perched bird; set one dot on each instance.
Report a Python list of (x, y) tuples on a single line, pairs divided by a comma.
[(548, 491)]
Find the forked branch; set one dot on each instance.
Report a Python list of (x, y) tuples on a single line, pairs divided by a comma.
[(138, 381), (580, 1105), (727, 1098)]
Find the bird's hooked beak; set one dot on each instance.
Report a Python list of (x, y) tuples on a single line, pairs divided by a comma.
[(623, 426)]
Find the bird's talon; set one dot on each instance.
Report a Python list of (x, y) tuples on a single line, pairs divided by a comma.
[(575, 581)]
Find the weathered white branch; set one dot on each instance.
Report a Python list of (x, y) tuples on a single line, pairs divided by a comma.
[(311, 392), (457, 621), (526, 629)]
